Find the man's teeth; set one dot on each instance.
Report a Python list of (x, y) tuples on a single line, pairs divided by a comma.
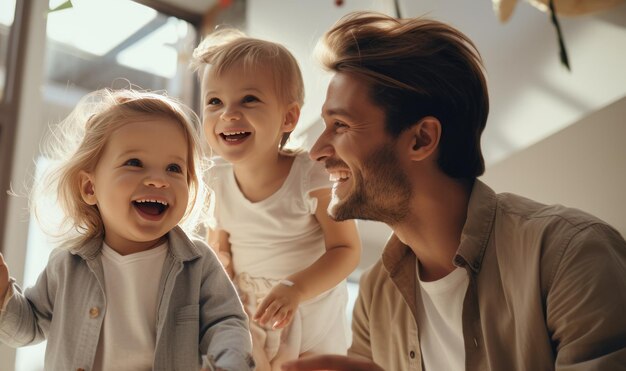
[(339, 175), (157, 201)]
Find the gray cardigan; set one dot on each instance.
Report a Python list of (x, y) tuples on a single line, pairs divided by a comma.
[(199, 312)]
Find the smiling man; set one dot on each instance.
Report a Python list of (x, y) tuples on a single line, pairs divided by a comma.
[(470, 279)]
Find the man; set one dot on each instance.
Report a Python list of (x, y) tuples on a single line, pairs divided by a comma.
[(470, 280)]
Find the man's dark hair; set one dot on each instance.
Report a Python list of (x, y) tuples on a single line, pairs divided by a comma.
[(416, 68)]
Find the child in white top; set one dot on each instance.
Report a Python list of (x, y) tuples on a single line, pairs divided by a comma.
[(287, 257), (130, 291)]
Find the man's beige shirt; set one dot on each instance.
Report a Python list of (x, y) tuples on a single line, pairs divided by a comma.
[(547, 291)]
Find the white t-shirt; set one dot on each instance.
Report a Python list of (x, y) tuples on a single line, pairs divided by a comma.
[(279, 235), (440, 321), (128, 335)]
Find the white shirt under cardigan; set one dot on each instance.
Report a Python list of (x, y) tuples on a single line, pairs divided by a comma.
[(131, 283), (440, 321), (279, 236)]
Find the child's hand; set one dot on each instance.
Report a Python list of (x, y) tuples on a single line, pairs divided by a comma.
[(279, 306), (4, 279)]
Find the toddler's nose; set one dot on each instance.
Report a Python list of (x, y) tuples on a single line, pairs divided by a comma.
[(156, 181), (230, 114)]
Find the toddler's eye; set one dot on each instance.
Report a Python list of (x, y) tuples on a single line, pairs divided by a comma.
[(213, 102), (174, 168), (250, 99), (133, 162)]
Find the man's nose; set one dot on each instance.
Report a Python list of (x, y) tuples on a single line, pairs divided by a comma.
[(322, 147)]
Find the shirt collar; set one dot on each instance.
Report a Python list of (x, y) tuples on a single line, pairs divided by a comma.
[(180, 246), (481, 214), (394, 254)]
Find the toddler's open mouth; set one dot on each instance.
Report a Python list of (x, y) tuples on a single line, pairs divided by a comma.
[(235, 136), (151, 207)]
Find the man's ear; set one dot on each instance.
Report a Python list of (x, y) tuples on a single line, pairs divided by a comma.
[(424, 138), (87, 190), (291, 117)]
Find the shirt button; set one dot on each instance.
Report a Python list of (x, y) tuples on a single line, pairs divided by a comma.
[(412, 354), (94, 312)]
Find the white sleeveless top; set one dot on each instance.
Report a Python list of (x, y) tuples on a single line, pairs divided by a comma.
[(279, 235)]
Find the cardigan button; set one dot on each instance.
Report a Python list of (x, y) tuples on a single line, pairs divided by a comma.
[(94, 312), (412, 354)]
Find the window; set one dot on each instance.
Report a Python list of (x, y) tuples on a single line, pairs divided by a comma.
[(7, 12), (98, 44)]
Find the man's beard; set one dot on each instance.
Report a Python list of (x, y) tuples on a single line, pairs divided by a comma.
[(381, 192)]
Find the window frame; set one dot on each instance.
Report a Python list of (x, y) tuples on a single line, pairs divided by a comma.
[(11, 98)]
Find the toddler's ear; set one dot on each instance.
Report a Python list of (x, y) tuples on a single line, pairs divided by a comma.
[(87, 190), (291, 117)]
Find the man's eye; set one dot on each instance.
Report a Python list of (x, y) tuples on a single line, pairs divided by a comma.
[(174, 168), (133, 162), (340, 125), (250, 99), (213, 102)]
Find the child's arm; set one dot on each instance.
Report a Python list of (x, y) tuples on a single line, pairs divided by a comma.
[(25, 316), (343, 250), (218, 241)]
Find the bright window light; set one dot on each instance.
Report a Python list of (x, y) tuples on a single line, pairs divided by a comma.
[(97, 26), (156, 53), (7, 12)]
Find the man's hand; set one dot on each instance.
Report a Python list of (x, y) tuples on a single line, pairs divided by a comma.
[(4, 279), (279, 306), (331, 362)]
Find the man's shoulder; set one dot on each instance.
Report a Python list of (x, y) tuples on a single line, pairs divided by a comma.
[(550, 229), (528, 212)]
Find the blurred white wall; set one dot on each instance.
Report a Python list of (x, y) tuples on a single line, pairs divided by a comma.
[(582, 166)]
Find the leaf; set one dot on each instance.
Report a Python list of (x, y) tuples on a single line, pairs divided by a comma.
[(65, 5)]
